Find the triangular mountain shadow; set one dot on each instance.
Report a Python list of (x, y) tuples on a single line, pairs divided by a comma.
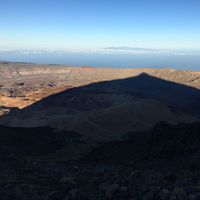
[(114, 98), (142, 86), (150, 87)]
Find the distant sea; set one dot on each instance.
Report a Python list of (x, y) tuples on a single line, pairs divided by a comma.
[(188, 62)]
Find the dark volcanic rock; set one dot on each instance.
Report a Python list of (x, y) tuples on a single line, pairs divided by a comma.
[(35, 141), (122, 169), (164, 141)]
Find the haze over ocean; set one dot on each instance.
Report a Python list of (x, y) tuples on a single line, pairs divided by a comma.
[(188, 62)]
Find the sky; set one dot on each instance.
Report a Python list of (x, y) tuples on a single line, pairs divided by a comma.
[(76, 24)]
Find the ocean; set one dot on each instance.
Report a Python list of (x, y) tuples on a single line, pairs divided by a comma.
[(185, 62)]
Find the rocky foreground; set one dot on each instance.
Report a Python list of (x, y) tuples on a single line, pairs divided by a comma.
[(29, 170), (53, 181)]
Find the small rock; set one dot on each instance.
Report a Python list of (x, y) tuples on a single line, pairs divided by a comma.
[(123, 189), (164, 194), (180, 193), (173, 196), (103, 187), (134, 173), (68, 181), (194, 196), (72, 195), (112, 190)]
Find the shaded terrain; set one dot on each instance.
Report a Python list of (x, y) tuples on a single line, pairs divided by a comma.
[(98, 134), (160, 143), (36, 141), (159, 164)]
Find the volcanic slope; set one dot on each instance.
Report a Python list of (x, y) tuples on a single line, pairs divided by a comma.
[(105, 110)]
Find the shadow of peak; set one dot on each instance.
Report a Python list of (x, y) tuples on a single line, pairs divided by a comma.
[(152, 91), (141, 80), (143, 75)]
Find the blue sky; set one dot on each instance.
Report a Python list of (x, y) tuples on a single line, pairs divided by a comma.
[(65, 24)]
